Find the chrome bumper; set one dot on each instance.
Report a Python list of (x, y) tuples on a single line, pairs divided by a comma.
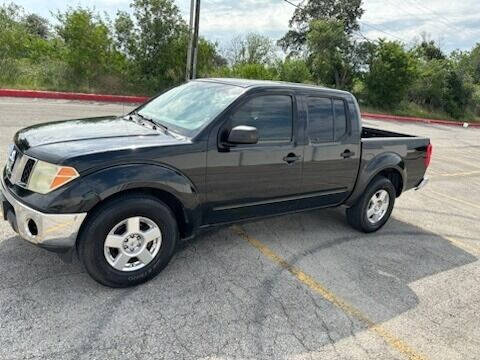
[(422, 183), (51, 231)]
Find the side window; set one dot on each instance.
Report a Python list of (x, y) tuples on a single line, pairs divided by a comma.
[(272, 115), (320, 119), (340, 118)]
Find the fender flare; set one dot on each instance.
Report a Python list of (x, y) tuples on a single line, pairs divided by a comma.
[(371, 168), (114, 180)]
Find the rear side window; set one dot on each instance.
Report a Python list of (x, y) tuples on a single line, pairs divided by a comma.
[(340, 118), (320, 119), (272, 115)]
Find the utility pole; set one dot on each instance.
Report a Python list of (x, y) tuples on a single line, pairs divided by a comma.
[(191, 71)]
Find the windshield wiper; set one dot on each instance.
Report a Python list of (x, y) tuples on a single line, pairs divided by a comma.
[(151, 121)]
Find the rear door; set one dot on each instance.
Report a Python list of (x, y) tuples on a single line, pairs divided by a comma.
[(246, 181), (332, 151)]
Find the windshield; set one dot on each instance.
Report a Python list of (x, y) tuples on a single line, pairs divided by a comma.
[(188, 107)]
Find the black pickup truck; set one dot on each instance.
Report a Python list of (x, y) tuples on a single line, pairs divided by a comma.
[(123, 191)]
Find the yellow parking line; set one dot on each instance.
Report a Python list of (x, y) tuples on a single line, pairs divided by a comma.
[(474, 250), (456, 160), (315, 286), (458, 174), (454, 199)]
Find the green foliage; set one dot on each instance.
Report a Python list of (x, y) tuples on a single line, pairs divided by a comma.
[(253, 71), (428, 50), (469, 62), (391, 72), (294, 70), (155, 42), (331, 54), (87, 43), (429, 86), (476, 100), (457, 95), (251, 49), (14, 38), (159, 30), (37, 26)]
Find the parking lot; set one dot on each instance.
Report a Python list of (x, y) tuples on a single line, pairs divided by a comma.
[(304, 286)]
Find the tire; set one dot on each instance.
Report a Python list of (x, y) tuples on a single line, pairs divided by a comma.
[(358, 215), (106, 241)]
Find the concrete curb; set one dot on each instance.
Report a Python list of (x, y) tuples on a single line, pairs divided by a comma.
[(72, 96), (141, 99)]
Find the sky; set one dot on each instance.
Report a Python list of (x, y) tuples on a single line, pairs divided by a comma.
[(453, 24)]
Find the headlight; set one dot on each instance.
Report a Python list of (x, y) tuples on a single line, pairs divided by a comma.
[(48, 177)]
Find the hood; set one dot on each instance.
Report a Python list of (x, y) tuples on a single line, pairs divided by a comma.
[(81, 129), (63, 141)]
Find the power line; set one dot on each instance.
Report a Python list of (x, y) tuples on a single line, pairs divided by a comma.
[(422, 19), (443, 19), (382, 31), (295, 5), (363, 23)]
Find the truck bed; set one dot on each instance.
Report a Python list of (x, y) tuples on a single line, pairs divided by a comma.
[(368, 133), (412, 149)]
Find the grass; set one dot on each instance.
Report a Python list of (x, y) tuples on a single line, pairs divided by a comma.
[(415, 110), (55, 76)]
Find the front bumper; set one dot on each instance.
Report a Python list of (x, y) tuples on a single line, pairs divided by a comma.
[(56, 232)]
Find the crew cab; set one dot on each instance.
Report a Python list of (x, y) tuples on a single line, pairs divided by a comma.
[(123, 191)]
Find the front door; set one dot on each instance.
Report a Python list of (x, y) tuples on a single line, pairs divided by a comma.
[(245, 181)]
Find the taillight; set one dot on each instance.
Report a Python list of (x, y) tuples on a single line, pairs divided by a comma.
[(428, 156)]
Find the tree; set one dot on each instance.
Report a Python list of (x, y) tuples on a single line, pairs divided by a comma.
[(345, 11), (158, 35), (457, 95), (294, 70), (391, 72), (87, 42), (123, 28), (253, 71), (251, 49), (155, 44), (429, 87), (428, 50), (14, 38), (37, 26), (474, 60), (476, 100), (334, 57)]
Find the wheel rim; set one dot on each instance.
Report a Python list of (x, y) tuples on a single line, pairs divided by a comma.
[(132, 244), (378, 206)]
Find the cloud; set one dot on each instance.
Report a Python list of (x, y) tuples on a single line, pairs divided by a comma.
[(455, 24)]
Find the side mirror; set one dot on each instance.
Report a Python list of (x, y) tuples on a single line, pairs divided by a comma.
[(243, 134)]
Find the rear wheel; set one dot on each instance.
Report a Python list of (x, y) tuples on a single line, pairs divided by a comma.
[(128, 241), (374, 207)]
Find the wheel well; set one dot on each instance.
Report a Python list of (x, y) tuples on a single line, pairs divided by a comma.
[(395, 178), (168, 199)]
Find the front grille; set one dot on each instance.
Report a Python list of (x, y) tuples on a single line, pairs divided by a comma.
[(27, 171), (19, 167)]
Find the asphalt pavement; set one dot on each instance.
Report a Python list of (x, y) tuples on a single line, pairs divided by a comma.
[(302, 286)]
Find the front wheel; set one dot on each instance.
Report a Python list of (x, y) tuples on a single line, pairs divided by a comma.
[(374, 207), (128, 240)]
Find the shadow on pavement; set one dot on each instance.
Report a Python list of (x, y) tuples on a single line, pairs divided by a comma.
[(219, 296)]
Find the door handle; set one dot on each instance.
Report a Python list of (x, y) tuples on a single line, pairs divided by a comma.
[(291, 158), (347, 154)]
